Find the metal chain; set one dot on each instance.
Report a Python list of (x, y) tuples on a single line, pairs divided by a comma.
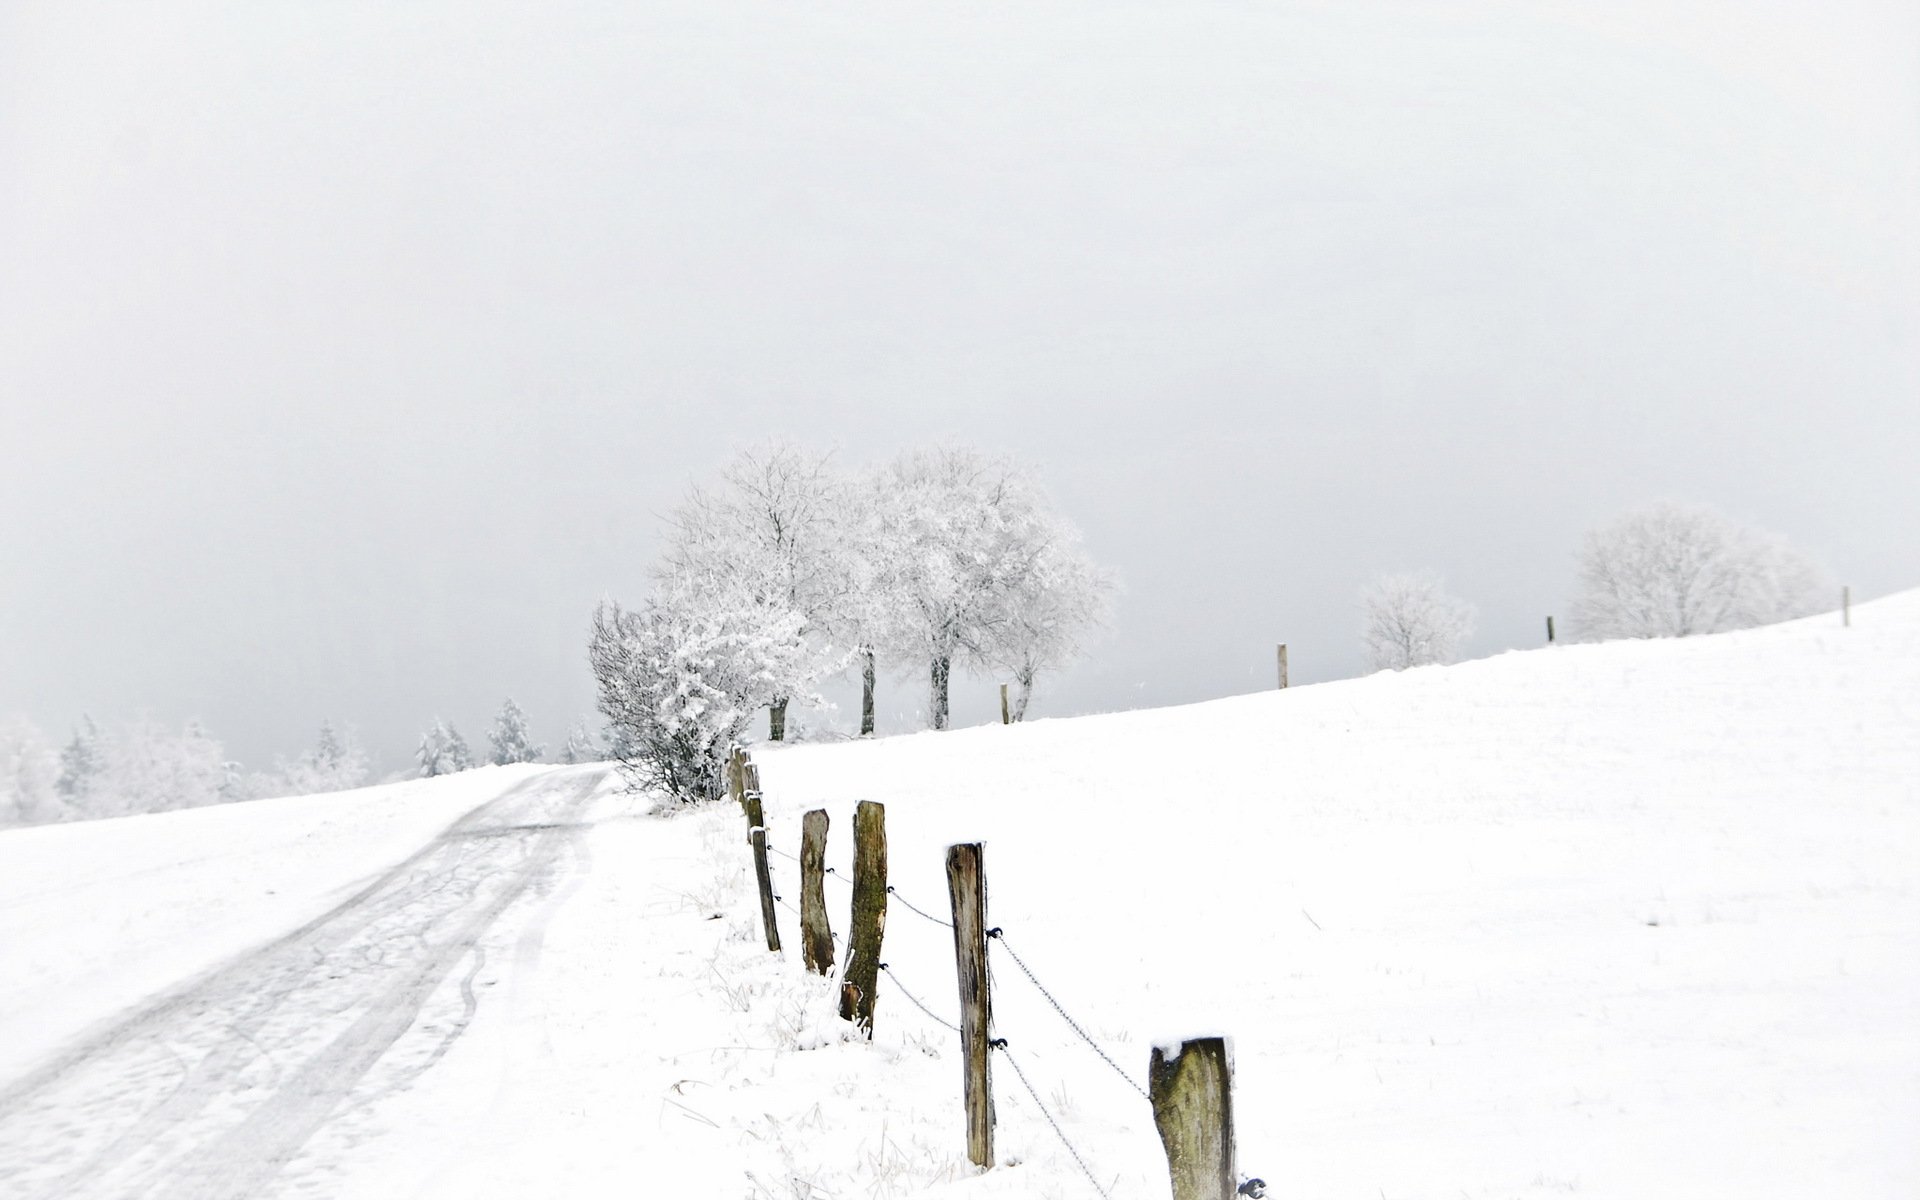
[(915, 1000), (913, 908), (1000, 1044), (995, 934)]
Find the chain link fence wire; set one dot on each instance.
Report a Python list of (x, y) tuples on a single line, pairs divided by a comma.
[(995, 935), (914, 908), (1000, 1044), (915, 1000)]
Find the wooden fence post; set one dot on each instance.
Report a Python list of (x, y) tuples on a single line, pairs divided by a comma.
[(816, 934), (736, 776), (1192, 1093), (757, 838), (1006, 713), (1283, 664), (967, 889), (868, 923), (1549, 631), (1846, 607)]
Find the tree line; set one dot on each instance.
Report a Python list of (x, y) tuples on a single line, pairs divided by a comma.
[(1665, 570), (785, 572), (142, 766)]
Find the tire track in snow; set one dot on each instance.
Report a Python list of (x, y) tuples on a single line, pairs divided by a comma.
[(212, 1089)]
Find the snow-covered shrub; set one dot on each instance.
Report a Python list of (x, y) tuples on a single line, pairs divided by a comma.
[(509, 741), (1671, 570), (679, 678), (1410, 621)]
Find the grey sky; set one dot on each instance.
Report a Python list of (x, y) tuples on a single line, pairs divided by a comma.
[(348, 351)]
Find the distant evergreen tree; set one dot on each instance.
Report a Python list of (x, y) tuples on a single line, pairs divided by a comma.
[(509, 742), (580, 746), (81, 760)]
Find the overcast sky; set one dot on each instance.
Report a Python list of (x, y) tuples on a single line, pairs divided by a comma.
[(349, 351)]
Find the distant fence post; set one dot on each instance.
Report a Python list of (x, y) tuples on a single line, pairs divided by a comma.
[(1549, 631), (868, 923), (736, 776), (1846, 607), (967, 889), (757, 838), (1006, 714), (1192, 1093), (1283, 664), (816, 934)]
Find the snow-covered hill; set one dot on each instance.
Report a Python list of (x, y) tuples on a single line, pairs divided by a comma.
[(1628, 920)]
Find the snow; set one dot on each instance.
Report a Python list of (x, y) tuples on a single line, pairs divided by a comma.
[(1620, 920)]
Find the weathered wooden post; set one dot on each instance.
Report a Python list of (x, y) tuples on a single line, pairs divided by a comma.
[(1846, 607), (816, 935), (866, 693), (736, 776), (1283, 664), (1549, 631), (1006, 714), (757, 838), (967, 889), (1192, 1093), (868, 923)]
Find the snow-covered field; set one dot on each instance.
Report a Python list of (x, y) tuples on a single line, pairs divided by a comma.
[(1631, 920)]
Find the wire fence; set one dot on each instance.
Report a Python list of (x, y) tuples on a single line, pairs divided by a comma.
[(997, 939)]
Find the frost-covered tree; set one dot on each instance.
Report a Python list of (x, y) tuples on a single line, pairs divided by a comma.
[(1409, 620), (443, 751), (580, 745), (678, 683), (509, 741), (1672, 570), (1050, 610), (771, 536), (29, 775), (147, 768), (958, 536)]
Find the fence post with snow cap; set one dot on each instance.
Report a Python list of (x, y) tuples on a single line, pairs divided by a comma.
[(816, 933), (1191, 1087), (967, 889), (868, 923)]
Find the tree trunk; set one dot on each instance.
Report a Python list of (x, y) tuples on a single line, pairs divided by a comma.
[(1025, 679), (777, 720), (866, 694), (942, 667)]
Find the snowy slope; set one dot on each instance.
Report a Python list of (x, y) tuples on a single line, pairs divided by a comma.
[(1631, 920)]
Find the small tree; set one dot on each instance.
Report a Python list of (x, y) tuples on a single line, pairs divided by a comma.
[(509, 741), (81, 762), (1673, 570), (335, 764), (1411, 621), (443, 751)]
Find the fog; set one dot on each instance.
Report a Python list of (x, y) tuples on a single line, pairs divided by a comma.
[(349, 353)]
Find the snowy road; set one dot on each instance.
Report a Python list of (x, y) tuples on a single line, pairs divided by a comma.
[(214, 1088)]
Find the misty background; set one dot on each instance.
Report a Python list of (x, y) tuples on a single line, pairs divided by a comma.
[(350, 353)]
